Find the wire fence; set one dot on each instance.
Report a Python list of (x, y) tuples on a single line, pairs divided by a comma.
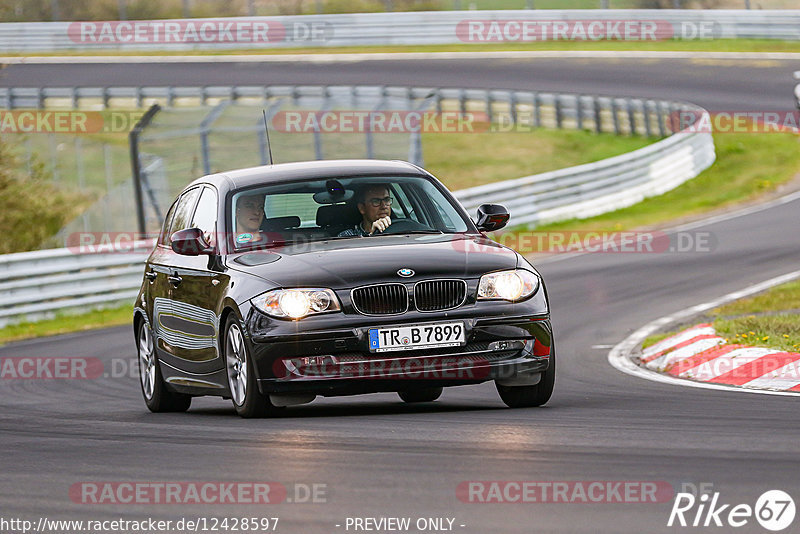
[(181, 144)]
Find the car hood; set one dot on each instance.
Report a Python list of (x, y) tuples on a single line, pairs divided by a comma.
[(360, 261)]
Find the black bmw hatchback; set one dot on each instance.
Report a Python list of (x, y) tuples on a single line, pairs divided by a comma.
[(275, 284)]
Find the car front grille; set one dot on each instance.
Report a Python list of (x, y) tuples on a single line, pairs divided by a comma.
[(383, 299), (437, 295)]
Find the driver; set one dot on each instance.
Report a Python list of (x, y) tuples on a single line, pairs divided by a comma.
[(375, 205)]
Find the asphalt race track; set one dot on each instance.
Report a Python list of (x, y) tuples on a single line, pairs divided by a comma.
[(379, 457)]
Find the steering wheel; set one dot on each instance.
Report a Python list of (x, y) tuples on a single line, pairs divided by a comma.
[(404, 225)]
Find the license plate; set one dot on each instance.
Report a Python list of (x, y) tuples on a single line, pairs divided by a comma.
[(426, 336)]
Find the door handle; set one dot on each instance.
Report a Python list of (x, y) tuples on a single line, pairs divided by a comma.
[(174, 279), (150, 275)]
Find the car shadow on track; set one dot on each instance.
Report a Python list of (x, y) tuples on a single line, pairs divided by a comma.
[(359, 409)]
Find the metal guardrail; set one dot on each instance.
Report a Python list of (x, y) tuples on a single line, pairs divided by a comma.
[(555, 110), (38, 283), (361, 29)]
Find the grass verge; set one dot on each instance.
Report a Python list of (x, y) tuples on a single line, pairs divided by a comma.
[(747, 166), (64, 323), (467, 160), (672, 45), (770, 319)]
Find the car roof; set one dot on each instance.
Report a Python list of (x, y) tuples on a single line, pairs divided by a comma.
[(308, 170)]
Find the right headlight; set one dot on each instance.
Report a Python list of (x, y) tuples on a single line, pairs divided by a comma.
[(511, 285), (297, 303)]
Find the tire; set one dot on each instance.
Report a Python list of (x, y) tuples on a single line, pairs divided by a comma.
[(529, 396), (420, 394), (247, 399), (156, 395)]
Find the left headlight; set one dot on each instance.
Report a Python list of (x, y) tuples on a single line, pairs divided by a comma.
[(512, 285), (296, 303)]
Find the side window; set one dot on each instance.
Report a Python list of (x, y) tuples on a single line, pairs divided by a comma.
[(164, 237), (183, 212), (205, 215)]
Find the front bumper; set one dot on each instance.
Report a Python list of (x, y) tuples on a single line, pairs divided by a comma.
[(337, 361)]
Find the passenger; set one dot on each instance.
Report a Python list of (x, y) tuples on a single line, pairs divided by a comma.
[(249, 217), (375, 206)]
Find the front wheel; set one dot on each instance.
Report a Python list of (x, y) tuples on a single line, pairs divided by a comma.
[(156, 395), (420, 394), (528, 396), (247, 399)]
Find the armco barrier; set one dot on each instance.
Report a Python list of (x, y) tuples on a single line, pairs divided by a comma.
[(35, 284), (415, 28), (41, 282)]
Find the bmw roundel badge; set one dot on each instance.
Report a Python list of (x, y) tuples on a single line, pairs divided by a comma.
[(405, 273)]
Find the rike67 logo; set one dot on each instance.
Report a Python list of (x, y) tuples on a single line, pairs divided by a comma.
[(774, 510)]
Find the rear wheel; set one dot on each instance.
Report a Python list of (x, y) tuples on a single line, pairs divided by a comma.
[(156, 395), (527, 396), (247, 399), (421, 394)]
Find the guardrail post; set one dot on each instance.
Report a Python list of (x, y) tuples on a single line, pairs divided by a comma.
[(40, 98), (170, 96), (648, 127), (662, 130), (138, 96), (598, 117), (537, 110), (559, 112), (512, 107), (631, 116), (489, 112), (136, 167), (673, 118), (614, 116), (579, 110), (74, 96)]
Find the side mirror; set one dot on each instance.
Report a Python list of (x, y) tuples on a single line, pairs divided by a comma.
[(190, 242), (492, 217)]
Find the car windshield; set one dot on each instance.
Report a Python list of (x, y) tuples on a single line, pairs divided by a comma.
[(341, 208)]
